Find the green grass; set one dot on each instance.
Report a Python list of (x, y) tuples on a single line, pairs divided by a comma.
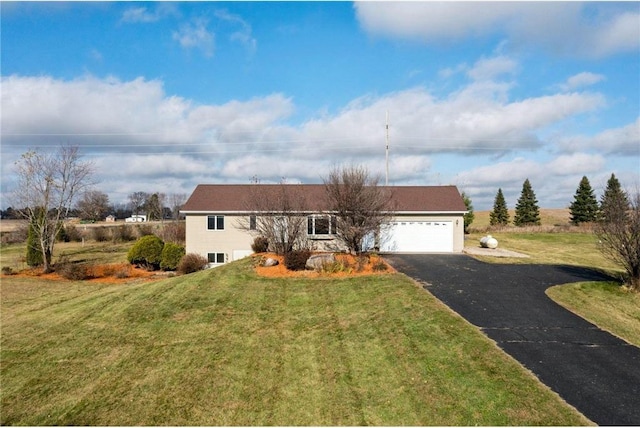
[(225, 347), (13, 255), (606, 304), (575, 249)]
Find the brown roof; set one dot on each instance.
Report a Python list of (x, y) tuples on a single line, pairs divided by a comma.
[(212, 198)]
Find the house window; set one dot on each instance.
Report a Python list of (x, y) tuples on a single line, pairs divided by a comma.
[(321, 225), (217, 258), (215, 222), (253, 222)]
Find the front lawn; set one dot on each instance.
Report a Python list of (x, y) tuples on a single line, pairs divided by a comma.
[(227, 347)]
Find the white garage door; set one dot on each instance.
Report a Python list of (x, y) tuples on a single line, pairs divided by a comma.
[(419, 237)]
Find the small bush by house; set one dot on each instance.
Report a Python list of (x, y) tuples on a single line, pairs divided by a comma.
[(260, 245), (171, 256), (146, 252), (296, 259), (192, 263)]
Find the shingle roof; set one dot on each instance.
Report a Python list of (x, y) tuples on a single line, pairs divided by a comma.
[(211, 198)]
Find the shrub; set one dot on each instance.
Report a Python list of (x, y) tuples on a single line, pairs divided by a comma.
[(122, 273), (123, 233), (260, 245), (6, 270), (73, 271), (16, 236), (72, 234), (144, 230), (174, 232), (379, 266), (361, 262), (171, 256), (192, 263), (338, 266), (296, 259), (147, 252), (101, 234)]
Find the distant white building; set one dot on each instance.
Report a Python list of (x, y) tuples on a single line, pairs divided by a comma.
[(136, 219)]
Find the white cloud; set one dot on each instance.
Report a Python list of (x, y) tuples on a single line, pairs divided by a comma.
[(244, 34), (575, 164), (134, 113), (568, 28), (581, 80), (144, 15), (624, 140), (490, 68), (196, 35), (141, 136)]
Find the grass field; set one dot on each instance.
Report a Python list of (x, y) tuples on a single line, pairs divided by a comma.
[(226, 347), (549, 217), (607, 305)]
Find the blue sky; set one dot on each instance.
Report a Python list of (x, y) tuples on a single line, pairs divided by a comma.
[(164, 96)]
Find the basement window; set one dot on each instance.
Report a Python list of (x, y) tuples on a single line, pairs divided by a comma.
[(217, 258)]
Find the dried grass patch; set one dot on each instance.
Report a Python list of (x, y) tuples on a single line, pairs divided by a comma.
[(111, 273)]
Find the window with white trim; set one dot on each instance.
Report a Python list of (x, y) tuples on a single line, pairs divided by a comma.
[(253, 222), (217, 258), (215, 222), (321, 225)]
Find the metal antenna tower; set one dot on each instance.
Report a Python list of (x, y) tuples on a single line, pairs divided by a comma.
[(386, 180)]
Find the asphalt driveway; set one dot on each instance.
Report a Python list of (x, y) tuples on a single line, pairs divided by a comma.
[(592, 370)]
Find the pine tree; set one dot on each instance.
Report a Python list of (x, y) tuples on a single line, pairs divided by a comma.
[(34, 254), (527, 211), (469, 216), (500, 214), (584, 208), (614, 201)]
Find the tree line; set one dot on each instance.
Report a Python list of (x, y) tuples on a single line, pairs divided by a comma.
[(94, 205), (615, 220), (584, 208)]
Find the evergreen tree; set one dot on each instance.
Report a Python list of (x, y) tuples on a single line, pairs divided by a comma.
[(34, 254), (614, 203), (469, 216), (584, 208), (527, 211), (499, 216)]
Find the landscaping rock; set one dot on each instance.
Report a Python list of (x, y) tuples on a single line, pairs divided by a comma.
[(271, 262), (316, 261)]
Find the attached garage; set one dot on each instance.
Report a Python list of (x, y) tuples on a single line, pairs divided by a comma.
[(418, 237)]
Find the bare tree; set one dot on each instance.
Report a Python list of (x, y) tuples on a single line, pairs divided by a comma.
[(153, 206), (619, 235), (277, 214), (94, 205), (176, 201), (47, 185), (361, 206), (137, 201)]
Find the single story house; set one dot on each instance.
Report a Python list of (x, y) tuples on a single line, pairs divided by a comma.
[(426, 219)]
